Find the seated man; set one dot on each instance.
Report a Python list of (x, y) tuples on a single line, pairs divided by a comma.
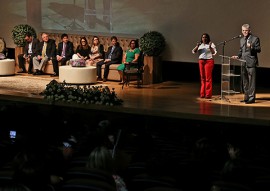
[(113, 56), (64, 53), (46, 51), (28, 52)]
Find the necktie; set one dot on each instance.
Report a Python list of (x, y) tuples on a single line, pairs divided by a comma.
[(110, 55), (44, 49), (64, 50)]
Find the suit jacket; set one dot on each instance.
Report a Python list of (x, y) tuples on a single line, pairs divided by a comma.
[(50, 50), (69, 49), (117, 54), (35, 44), (250, 54)]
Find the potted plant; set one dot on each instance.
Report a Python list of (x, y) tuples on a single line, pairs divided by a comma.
[(18, 35), (152, 44), (19, 32)]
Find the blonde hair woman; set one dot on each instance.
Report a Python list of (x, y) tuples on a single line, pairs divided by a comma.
[(97, 51)]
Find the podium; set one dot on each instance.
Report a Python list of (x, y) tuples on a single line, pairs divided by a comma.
[(230, 77)]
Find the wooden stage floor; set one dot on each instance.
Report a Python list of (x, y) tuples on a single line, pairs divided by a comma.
[(170, 100)]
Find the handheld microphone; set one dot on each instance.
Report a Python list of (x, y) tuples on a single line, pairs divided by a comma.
[(199, 43), (238, 36)]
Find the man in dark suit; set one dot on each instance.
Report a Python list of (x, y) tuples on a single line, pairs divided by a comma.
[(64, 53), (113, 56), (249, 47), (46, 51), (29, 51)]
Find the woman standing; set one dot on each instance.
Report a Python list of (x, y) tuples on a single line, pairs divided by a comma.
[(206, 50)]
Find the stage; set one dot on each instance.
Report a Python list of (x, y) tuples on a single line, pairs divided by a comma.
[(169, 100)]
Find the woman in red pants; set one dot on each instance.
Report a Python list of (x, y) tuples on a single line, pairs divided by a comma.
[(206, 50)]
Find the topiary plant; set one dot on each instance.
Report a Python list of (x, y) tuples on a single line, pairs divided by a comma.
[(19, 32), (152, 43)]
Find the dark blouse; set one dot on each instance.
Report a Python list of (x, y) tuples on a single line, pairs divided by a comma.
[(84, 52)]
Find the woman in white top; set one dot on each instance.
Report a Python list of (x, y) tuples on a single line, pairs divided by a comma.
[(206, 50)]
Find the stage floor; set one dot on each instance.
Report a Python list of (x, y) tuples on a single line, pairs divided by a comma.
[(170, 99)]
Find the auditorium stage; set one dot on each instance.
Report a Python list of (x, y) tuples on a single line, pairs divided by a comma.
[(169, 100)]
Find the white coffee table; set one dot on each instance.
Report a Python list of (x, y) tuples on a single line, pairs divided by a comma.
[(7, 67), (78, 75)]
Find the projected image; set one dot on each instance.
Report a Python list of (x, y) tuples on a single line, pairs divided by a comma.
[(76, 15), (102, 16)]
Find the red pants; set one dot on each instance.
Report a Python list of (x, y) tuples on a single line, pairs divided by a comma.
[(206, 68)]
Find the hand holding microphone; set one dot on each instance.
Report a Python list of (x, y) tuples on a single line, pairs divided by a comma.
[(198, 43)]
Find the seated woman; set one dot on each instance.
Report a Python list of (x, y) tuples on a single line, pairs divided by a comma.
[(97, 51), (83, 50), (131, 55)]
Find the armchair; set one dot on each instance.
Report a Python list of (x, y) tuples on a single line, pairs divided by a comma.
[(134, 69)]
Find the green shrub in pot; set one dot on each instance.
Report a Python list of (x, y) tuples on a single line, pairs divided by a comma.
[(152, 43), (19, 32)]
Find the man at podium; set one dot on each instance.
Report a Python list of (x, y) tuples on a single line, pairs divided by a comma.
[(249, 47)]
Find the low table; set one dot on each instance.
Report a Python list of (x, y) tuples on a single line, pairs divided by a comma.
[(7, 67), (78, 75)]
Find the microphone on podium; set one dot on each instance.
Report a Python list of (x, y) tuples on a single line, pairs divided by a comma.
[(238, 36)]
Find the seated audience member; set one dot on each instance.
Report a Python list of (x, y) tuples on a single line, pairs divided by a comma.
[(97, 51), (28, 52), (33, 167), (113, 56), (101, 158), (64, 53), (46, 52), (82, 50), (131, 55)]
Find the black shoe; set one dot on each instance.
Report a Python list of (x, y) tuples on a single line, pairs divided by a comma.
[(99, 79), (244, 100), (54, 75), (30, 72), (250, 101), (104, 80), (21, 71), (38, 72)]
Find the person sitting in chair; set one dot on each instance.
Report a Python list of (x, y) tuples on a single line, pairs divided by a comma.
[(113, 56), (131, 55), (64, 53), (46, 51)]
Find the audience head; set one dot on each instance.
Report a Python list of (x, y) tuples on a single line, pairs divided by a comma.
[(101, 158)]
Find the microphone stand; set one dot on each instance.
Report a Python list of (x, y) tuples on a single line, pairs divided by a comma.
[(223, 43)]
